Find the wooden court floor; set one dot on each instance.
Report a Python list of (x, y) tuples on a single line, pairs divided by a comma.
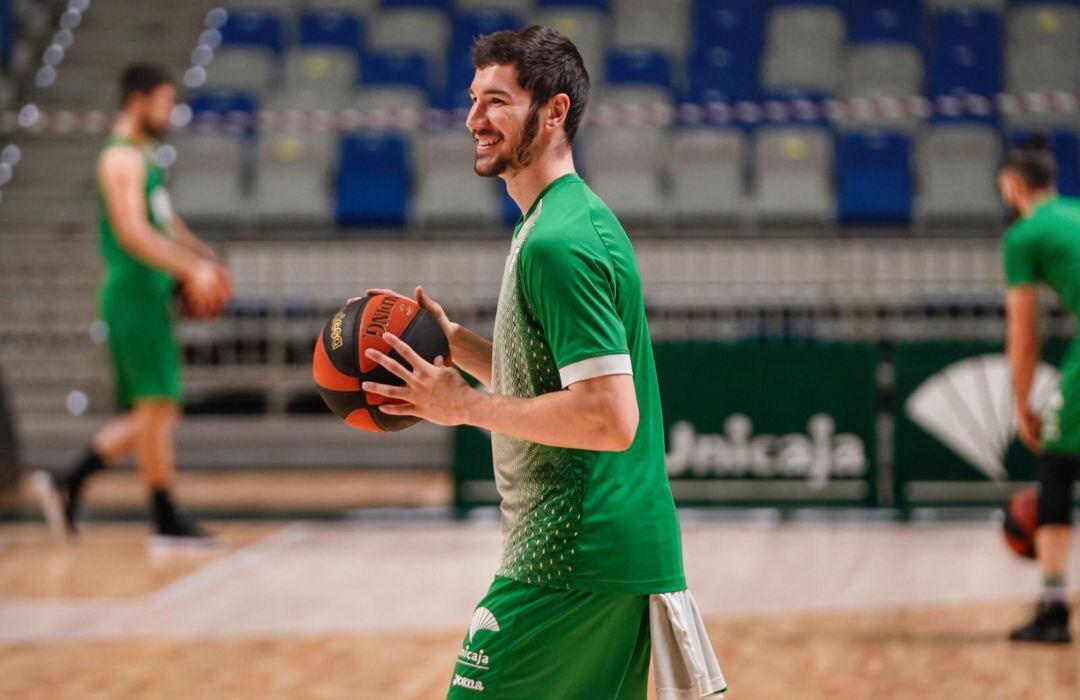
[(328, 611)]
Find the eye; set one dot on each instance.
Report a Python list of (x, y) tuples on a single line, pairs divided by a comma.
[(497, 101)]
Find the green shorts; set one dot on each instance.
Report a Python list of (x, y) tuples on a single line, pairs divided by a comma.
[(145, 357), (531, 643)]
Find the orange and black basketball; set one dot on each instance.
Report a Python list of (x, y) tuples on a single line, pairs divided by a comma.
[(341, 364), (1021, 520)]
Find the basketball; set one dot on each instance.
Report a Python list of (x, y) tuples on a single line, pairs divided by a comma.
[(340, 363), (1021, 519)]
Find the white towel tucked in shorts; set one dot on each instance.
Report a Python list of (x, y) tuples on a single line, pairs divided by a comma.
[(684, 665)]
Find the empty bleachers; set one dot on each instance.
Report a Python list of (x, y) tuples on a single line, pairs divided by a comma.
[(746, 65)]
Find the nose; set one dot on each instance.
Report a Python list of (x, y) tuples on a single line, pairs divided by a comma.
[(476, 118)]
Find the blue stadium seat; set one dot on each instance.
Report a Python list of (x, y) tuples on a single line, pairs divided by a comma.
[(372, 181), (219, 103), (7, 31), (459, 68), (445, 5), (254, 28), (980, 28), (638, 67), (1066, 148), (510, 211), (601, 5), (459, 75), (721, 75), (842, 5), (331, 28), (737, 25), (469, 25), (395, 68), (874, 180), (887, 21), (966, 53)]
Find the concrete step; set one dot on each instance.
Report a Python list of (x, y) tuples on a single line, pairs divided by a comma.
[(253, 443)]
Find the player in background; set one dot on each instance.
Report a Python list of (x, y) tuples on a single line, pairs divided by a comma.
[(1043, 246), (591, 572), (148, 251)]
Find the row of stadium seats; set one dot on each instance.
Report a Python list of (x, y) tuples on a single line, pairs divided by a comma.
[(779, 175), (700, 50)]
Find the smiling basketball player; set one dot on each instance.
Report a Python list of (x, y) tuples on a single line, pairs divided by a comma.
[(591, 575)]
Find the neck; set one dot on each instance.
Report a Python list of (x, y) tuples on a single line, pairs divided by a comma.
[(1036, 200), (525, 185), (127, 127)]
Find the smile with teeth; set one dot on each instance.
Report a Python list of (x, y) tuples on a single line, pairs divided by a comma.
[(483, 144)]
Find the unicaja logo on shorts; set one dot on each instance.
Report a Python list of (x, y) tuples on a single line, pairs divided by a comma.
[(968, 406), (482, 619)]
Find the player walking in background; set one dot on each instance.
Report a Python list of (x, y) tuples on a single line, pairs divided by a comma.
[(1043, 246), (591, 575), (147, 250)]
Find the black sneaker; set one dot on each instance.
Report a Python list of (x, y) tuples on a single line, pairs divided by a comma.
[(57, 504), (180, 533), (1050, 625)]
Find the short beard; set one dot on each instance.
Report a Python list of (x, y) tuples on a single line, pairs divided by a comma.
[(152, 131), (522, 153), (497, 168)]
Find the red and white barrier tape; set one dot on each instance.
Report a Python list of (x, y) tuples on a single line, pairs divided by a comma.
[(858, 110)]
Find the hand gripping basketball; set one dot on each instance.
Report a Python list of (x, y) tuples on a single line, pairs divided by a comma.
[(341, 360)]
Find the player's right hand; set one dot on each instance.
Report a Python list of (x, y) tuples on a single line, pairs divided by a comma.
[(224, 288), (1029, 428), (201, 288)]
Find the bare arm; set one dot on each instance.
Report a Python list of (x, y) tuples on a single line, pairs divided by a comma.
[(1022, 349), (183, 235), (122, 173), (471, 352), (595, 414)]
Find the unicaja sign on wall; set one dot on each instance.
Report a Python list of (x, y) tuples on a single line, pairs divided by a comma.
[(762, 423), (968, 406), (786, 424), (955, 432), (818, 455)]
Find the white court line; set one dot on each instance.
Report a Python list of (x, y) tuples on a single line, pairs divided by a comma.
[(245, 557)]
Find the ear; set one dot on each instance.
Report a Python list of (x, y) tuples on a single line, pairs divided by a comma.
[(558, 109), (1011, 185)]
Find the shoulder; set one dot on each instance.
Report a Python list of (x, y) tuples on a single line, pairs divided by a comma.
[(120, 159), (572, 222)]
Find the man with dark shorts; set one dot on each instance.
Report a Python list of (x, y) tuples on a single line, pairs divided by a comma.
[(1043, 247)]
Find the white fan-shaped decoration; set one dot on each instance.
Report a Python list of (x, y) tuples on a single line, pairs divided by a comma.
[(968, 406), (482, 619)]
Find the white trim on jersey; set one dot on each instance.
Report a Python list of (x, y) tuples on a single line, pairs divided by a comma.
[(595, 367)]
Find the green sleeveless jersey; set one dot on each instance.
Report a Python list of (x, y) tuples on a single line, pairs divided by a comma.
[(121, 268), (571, 309), (1045, 248)]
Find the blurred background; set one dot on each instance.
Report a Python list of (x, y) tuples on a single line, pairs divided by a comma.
[(810, 189)]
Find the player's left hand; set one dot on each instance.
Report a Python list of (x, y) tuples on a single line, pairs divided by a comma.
[(432, 391)]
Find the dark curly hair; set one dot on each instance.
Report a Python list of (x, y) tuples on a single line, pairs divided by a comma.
[(1033, 162)]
